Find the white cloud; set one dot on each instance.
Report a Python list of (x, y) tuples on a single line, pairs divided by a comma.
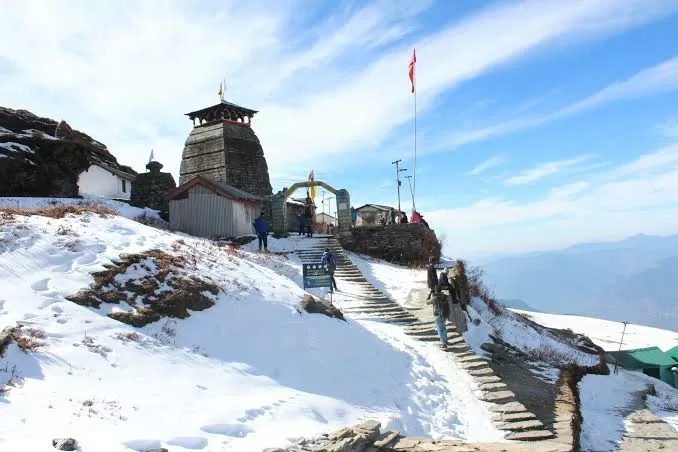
[(545, 169), (490, 163), (640, 196), (126, 73)]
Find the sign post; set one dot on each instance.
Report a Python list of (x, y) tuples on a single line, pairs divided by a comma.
[(317, 275)]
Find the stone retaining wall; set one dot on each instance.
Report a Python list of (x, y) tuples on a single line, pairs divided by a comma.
[(405, 244)]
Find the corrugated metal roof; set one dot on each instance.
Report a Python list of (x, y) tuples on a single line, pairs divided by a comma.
[(218, 187), (673, 353), (641, 358)]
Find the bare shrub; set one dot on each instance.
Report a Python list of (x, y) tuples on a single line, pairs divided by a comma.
[(12, 379), (131, 336), (28, 340)]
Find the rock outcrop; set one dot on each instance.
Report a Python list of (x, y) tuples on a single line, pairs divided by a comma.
[(405, 244), (40, 157)]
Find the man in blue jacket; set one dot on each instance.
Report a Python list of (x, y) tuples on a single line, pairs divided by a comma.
[(261, 226)]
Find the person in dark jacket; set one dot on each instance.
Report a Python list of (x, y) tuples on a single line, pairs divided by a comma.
[(309, 220), (261, 227), (441, 312), (431, 277), (302, 223), (330, 259)]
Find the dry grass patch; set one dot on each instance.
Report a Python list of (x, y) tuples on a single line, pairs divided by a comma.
[(164, 291), (27, 339), (58, 211)]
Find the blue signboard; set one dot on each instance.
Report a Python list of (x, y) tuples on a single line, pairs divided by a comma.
[(316, 275)]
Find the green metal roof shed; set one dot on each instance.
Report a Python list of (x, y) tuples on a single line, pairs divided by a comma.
[(673, 353), (649, 360)]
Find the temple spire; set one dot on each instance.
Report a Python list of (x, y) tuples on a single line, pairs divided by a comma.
[(221, 90)]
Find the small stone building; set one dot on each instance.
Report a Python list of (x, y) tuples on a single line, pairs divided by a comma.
[(106, 181), (149, 189), (206, 208), (368, 214)]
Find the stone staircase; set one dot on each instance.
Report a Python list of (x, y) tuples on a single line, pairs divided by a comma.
[(510, 415)]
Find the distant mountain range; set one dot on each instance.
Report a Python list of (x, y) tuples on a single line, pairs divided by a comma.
[(635, 279)]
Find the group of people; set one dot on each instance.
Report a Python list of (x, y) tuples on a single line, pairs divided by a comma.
[(448, 293), (400, 218)]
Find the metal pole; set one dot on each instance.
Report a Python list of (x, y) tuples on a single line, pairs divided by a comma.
[(398, 179), (621, 341)]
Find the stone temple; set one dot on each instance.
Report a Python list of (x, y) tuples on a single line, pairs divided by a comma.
[(222, 147)]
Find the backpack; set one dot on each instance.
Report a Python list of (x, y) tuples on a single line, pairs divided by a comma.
[(442, 306)]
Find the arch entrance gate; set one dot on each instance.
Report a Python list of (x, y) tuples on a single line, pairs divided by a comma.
[(279, 207)]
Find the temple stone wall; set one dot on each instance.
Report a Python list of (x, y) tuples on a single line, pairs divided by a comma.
[(226, 152)]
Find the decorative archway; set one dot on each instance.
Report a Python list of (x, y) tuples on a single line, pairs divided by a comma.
[(279, 206)]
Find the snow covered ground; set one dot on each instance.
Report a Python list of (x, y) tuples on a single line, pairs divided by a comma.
[(606, 401), (607, 334), (253, 371), (394, 281)]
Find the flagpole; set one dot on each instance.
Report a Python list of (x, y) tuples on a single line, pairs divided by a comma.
[(415, 141)]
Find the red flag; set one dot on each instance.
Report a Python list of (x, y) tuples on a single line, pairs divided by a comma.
[(412, 62)]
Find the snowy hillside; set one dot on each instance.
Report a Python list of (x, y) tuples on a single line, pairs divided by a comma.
[(244, 370), (607, 334)]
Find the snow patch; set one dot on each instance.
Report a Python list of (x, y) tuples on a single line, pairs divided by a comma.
[(16, 147)]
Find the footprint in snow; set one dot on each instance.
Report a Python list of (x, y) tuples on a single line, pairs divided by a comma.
[(40, 285), (234, 430), (189, 442)]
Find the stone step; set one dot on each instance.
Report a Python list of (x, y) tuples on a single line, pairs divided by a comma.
[(470, 358), (532, 435), (493, 387), (487, 379), (460, 348), (521, 426), (431, 338), (513, 417), (510, 407), (481, 372), (498, 397), (385, 311), (450, 334), (474, 365)]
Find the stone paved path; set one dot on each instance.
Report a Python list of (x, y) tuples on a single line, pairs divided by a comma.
[(511, 416)]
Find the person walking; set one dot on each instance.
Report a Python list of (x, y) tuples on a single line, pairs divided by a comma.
[(330, 259), (261, 227), (457, 315), (441, 311)]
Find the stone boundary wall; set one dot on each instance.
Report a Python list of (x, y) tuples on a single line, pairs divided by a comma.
[(404, 244)]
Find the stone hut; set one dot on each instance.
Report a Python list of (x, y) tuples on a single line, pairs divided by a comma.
[(222, 147), (149, 189)]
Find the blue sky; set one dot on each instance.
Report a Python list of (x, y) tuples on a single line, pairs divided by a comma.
[(540, 124)]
